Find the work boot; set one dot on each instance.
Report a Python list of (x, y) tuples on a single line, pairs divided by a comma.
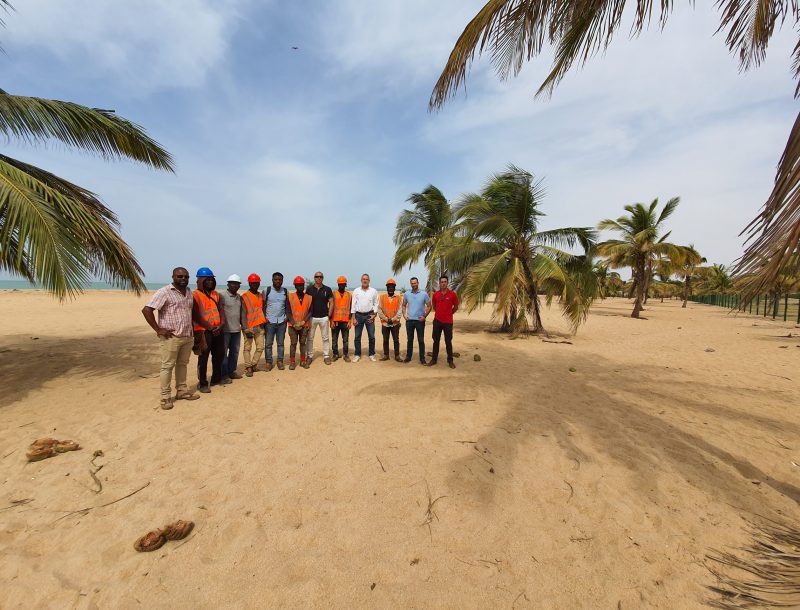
[(292, 364), (384, 358), (280, 365), (255, 368), (305, 363), (268, 367), (248, 371), (235, 375), (335, 357), (451, 365), (166, 404), (225, 381), (203, 387), (346, 358), (432, 363), (397, 358)]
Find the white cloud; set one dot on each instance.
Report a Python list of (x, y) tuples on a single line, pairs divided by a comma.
[(142, 46)]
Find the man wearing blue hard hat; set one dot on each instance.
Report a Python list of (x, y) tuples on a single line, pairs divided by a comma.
[(208, 322)]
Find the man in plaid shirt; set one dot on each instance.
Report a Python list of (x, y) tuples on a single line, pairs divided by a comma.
[(175, 333)]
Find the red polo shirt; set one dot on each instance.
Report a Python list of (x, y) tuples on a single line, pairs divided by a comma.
[(443, 304)]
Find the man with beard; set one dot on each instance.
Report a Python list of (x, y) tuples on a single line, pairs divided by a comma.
[(275, 298), (175, 334), (208, 321)]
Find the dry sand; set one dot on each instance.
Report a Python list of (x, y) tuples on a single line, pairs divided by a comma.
[(598, 488)]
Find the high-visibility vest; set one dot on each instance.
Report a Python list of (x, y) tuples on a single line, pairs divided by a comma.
[(341, 306), (299, 310), (390, 305), (254, 308), (208, 306)]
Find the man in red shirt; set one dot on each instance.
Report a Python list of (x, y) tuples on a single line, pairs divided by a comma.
[(445, 304)]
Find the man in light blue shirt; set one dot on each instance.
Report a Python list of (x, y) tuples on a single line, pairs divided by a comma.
[(416, 307), (275, 298)]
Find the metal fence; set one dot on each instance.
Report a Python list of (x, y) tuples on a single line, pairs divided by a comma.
[(786, 307)]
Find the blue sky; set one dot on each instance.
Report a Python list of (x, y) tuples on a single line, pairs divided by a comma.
[(298, 160)]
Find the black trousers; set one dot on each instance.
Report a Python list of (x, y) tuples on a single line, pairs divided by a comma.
[(340, 328), (438, 329), (216, 349), (394, 331)]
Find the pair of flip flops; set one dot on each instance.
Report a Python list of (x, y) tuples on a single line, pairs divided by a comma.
[(154, 540), (43, 448)]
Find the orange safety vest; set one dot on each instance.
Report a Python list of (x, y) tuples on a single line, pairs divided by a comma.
[(254, 308), (300, 310), (390, 305), (208, 308), (341, 306)]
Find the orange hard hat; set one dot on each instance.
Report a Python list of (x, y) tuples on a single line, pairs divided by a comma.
[(341, 280), (391, 281), (299, 280), (253, 277)]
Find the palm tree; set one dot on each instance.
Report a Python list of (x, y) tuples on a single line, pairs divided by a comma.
[(424, 233), (640, 245), (501, 251), (55, 233), (515, 31), (605, 278), (690, 258), (715, 280)]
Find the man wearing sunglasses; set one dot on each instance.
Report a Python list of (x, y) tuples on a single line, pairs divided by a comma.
[(321, 313), (175, 334)]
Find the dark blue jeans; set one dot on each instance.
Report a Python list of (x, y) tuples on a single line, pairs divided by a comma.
[(361, 322), (419, 327), (275, 331), (231, 359)]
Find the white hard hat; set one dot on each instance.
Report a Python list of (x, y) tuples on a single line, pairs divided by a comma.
[(235, 278)]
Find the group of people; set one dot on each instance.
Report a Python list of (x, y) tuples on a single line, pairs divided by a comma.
[(211, 324)]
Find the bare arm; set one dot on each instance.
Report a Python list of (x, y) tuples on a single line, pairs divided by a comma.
[(150, 316)]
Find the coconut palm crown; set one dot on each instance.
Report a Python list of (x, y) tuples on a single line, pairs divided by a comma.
[(503, 252)]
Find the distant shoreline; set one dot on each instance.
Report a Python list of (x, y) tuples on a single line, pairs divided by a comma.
[(23, 286)]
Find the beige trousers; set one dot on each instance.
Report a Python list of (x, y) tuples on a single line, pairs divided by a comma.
[(175, 353), (258, 339)]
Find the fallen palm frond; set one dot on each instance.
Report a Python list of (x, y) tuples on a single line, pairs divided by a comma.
[(765, 574)]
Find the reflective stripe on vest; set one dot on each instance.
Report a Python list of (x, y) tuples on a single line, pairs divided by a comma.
[(299, 310), (208, 308), (341, 306), (254, 308), (390, 306)]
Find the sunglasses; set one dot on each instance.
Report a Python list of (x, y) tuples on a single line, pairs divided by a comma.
[(181, 277), (317, 277)]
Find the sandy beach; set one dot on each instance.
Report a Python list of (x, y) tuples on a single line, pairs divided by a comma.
[(595, 474)]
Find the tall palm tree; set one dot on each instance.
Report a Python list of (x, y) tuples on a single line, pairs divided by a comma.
[(503, 252), (689, 259), (605, 278), (52, 232), (512, 32), (714, 280), (424, 232), (640, 245)]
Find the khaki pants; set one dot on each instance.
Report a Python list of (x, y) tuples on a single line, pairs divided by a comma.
[(301, 337), (324, 325), (175, 353), (251, 358)]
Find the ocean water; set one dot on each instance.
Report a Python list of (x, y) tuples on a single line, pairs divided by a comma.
[(23, 285)]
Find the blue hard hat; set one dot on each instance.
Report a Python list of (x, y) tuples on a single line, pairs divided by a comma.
[(205, 272)]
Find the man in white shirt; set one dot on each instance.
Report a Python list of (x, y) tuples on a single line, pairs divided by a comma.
[(364, 309)]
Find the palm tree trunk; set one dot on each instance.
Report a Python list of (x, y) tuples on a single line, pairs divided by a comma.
[(687, 290), (639, 281), (533, 295)]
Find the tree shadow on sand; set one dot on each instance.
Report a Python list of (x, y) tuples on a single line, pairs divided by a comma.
[(27, 364)]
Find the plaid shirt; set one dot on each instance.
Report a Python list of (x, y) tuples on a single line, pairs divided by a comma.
[(174, 310)]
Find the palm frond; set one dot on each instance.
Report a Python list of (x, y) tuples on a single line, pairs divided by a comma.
[(59, 235), (99, 131)]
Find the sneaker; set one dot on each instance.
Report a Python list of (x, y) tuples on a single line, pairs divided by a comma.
[(280, 365), (166, 404), (356, 358), (384, 358), (346, 358), (327, 361), (204, 389), (373, 358), (186, 396), (451, 365)]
